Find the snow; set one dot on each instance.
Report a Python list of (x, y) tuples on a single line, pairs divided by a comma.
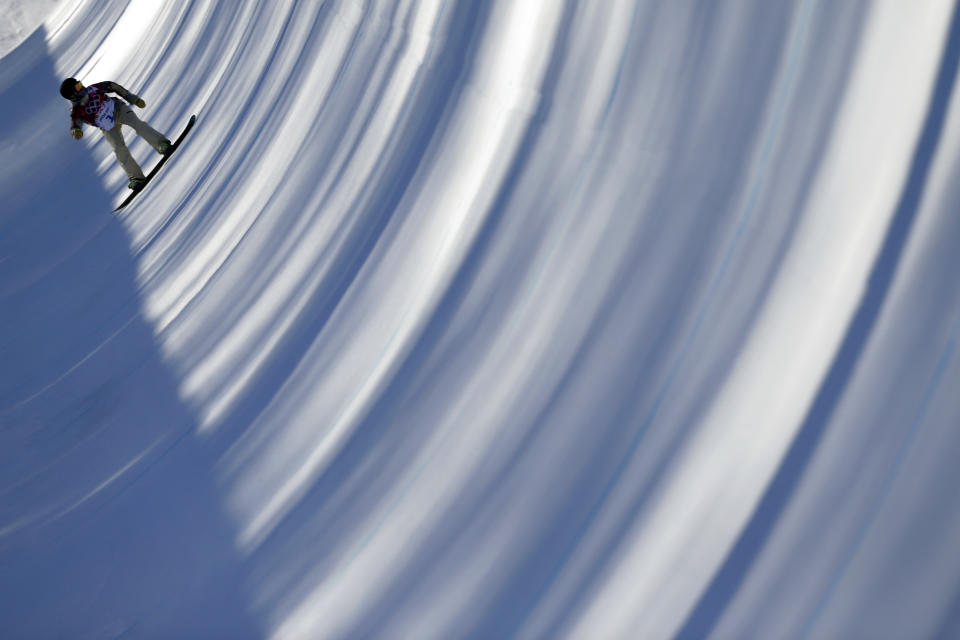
[(596, 320), (21, 18)]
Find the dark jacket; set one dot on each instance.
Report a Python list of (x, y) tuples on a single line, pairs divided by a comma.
[(95, 107)]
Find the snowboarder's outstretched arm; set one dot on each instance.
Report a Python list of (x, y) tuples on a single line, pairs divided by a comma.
[(113, 87)]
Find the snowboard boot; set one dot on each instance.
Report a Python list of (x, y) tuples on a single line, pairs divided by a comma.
[(165, 147), (136, 183)]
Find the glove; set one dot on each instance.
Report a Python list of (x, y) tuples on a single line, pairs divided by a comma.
[(140, 103), (76, 132)]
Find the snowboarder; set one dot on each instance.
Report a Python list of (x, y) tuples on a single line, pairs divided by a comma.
[(93, 106)]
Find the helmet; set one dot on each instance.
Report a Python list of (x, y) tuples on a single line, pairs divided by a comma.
[(70, 87)]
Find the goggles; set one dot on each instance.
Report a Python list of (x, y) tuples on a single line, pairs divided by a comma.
[(78, 88)]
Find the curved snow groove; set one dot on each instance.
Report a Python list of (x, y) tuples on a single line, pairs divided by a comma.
[(487, 319)]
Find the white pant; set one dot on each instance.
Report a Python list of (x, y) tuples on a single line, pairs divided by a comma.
[(124, 115)]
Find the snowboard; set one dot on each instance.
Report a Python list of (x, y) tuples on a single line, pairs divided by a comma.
[(163, 160)]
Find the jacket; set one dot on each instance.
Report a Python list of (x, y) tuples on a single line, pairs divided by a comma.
[(95, 107)]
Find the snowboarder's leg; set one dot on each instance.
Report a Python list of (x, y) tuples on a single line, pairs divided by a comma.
[(115, 138), (154, 138)]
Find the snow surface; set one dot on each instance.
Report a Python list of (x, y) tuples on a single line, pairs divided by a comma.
[(613, 319), (21, 18)]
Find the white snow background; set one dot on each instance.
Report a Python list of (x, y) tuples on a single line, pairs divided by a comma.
[(484, 319)]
